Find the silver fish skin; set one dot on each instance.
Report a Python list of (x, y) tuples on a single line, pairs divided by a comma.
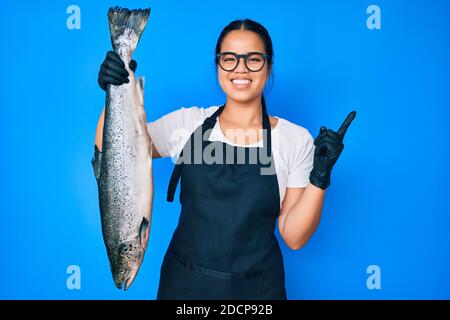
[(124, 167)]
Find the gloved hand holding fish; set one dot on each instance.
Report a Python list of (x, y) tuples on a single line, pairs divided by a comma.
[(123, 168)]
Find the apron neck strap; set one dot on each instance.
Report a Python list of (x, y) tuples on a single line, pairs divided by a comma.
[(267, 137), (208, 124)]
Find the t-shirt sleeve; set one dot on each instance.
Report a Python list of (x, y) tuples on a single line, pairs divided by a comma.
[(170, 132), (302, 164)]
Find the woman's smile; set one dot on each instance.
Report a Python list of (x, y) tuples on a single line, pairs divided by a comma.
[(241, 83)]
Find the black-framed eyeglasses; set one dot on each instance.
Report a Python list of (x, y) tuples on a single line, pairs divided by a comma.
[(254, 61)]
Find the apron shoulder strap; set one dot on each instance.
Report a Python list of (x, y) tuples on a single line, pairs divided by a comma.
[(176, 173)]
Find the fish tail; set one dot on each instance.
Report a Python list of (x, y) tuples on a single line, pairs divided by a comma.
[(123, 20)]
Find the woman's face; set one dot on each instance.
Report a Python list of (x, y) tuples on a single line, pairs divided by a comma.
[(251, 84)]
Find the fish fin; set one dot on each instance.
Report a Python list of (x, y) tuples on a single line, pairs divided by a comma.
[(140, 88), (96, 162), (122, 20), (144, 233)]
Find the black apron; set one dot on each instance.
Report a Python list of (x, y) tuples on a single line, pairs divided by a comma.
[(224, 246)]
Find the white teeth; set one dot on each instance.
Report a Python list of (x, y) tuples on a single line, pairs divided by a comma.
[(241, 81)]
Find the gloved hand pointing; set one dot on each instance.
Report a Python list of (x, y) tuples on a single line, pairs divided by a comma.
[(112, 70), (329, 145)]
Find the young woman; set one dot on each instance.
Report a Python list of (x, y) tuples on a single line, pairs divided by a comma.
[(224, 246)]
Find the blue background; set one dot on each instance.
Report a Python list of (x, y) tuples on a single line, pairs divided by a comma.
[(388, 202)]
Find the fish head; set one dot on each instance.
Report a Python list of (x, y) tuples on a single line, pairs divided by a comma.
[(128, 259)]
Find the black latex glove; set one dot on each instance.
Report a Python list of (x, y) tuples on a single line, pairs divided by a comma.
[(329, 145), (112, 70)]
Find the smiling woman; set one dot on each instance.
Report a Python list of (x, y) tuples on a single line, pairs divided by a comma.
[(224, 246)]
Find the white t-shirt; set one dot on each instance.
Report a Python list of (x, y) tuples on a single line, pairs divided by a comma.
[(292, 145)]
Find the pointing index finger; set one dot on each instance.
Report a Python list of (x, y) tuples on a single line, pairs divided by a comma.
[(343, 129)]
